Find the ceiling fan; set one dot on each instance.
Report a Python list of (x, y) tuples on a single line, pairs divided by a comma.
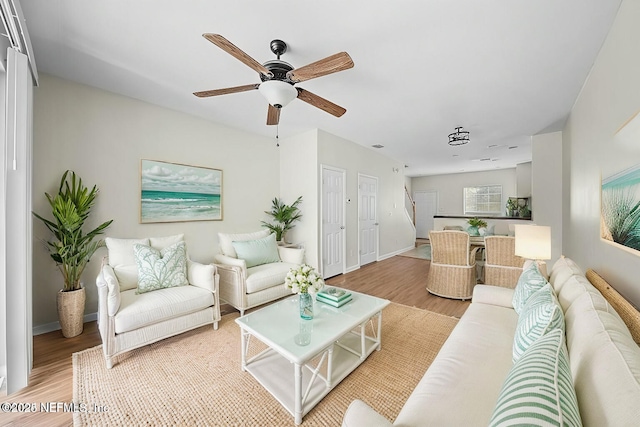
[(278, 78)]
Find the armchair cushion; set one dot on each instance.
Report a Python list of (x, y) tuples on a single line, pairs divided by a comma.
[(160, 269), (291, 255), (139, 310), (160, 243), (266, 276), (225, 240), (123, 261), (258, 251)]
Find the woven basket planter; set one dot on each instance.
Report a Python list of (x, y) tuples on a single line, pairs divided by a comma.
[(71, 312)]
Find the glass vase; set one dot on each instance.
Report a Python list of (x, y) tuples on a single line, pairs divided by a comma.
[(306, 306)]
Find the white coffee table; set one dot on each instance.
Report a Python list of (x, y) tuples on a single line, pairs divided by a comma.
[(339, 339)]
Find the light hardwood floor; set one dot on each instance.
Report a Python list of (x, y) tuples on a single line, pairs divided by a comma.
[(399, 279)]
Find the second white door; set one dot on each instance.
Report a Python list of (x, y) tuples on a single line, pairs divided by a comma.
[(368, 218)]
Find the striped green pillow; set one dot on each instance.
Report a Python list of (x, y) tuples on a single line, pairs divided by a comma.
[(539, 390), (530, 281), (542, 313)]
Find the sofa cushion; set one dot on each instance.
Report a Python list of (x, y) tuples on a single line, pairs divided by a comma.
[(225, 240), (139, 310), (539, 388), (605, 363), (123, 260), (267, 275), (461, 386), (540, 315), (258, 251), (561, 271), (529, 282), (161, 269)]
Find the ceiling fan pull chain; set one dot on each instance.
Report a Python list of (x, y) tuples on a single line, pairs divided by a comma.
[(277, 136)]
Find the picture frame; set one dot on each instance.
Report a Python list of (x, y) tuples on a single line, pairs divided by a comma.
[(620, 194), (174, 192)]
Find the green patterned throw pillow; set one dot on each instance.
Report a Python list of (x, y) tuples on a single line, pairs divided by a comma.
[(161, 269), (540, 315), (539, 389), (530, 281)]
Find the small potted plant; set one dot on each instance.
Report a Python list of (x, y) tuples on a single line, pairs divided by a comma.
[(70, 248), (512, 207), (284, 217), (475, 225)]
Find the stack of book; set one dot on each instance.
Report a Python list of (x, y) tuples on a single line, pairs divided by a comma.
[(334, 296)]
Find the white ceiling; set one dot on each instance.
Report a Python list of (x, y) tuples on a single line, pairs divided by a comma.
[(502, 69)]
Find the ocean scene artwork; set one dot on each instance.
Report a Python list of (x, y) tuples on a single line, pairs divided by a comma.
[(173, 192)]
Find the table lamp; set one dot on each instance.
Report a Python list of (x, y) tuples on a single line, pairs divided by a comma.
[(534, 242)]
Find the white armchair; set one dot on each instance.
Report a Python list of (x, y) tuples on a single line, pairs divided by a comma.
[(128, 319), (256, 275)]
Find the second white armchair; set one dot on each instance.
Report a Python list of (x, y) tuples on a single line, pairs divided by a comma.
[(252, 268)]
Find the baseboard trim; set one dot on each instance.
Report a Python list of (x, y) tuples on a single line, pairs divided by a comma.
[(392, 254), (55, 326)]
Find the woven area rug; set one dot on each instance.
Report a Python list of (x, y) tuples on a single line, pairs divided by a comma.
[(422, 252), (195, 378)]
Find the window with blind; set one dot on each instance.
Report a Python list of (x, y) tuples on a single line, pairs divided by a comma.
[(483, 200)]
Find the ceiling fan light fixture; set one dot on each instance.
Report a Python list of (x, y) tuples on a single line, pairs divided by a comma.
[(459, 137), (278, 93)]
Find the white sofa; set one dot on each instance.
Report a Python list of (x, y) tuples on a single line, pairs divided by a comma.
[(128, 319), (463, 384), (248, 283)]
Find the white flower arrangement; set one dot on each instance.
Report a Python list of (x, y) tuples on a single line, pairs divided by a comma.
[(304, 279)]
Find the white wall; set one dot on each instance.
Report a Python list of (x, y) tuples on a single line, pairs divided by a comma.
[(610, 96), (450, 187), (299, 177), (395, 230), (523, 179), (546, 187), (102, 137)]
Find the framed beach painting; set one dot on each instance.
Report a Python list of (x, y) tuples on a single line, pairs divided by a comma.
[(620, 193), (172, 192)]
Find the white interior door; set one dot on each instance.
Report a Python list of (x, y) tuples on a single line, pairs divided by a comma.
[(368, 218), (333, 228), (426, 208)]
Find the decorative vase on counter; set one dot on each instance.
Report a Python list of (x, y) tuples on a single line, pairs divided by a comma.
[(306, 305), (473, 231)]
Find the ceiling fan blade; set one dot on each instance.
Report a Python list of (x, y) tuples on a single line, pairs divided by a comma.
[(237, 53), (216, 92), (331, 64), (273, 115), (319, 102)]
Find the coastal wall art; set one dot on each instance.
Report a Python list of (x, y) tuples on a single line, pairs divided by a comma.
[(171, 192), (620, 197)]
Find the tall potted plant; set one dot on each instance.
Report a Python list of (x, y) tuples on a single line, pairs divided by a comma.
[(284, 217), (70, 247)]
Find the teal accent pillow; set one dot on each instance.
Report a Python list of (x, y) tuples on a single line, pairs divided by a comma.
[(530, 281), (160, 269), (539, 389), (257, 252), (540, 315)]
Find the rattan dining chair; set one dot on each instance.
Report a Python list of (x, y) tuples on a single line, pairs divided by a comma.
[(502, 266), (452, 273)]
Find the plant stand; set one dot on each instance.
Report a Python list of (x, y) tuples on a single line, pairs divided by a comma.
[(71, 312)]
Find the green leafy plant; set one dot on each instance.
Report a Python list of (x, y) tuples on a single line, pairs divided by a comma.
[(512, 205), (621, 215), (284, 217), (70, 248), (477, 222)]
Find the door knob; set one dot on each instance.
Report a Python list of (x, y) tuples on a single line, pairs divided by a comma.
[(342, 227)]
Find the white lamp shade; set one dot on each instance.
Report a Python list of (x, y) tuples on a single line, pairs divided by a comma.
[(533, 241), (278, 93)]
